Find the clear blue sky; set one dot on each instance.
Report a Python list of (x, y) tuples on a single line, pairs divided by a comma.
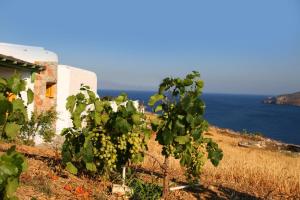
[(238, 46)]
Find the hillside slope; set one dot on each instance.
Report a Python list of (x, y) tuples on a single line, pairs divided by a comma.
[(262, 172)]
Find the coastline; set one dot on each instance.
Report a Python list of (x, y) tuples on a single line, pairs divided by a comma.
[(240, 112), (251, 140)]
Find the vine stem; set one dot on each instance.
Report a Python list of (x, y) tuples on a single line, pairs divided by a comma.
[(161, 165), (166, 179)]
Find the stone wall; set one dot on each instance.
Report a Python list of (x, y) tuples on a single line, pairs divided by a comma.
[(49, 75)]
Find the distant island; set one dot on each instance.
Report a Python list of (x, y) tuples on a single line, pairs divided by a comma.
[(286, 99)]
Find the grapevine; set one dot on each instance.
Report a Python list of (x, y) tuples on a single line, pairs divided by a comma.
[(181, 125), (101, 140), (13, 110), (12, 164)]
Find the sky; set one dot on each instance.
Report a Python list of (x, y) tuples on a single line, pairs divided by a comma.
[(239, 47)]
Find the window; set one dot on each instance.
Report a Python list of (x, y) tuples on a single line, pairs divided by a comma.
[(50, 88), (11, 96)]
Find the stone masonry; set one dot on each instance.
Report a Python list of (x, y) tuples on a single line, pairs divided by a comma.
[(49, 75)]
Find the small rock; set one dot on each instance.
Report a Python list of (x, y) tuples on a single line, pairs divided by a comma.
[(121, 190)]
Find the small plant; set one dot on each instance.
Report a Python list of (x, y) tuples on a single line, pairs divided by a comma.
[(145, 191), (102, 140), (13, 111), (181, 124), (12, 164), (39, 124)]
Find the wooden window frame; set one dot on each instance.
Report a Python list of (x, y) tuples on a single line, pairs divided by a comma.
[(50, 89)]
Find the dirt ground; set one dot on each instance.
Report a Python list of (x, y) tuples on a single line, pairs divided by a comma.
[(244, 173)]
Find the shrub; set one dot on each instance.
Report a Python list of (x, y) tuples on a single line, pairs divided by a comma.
[(181, 125), (39, 124), (12, 164), (144, 191), (101, 140), (13, 111)]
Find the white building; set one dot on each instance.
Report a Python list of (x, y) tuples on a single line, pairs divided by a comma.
[(51, 82)]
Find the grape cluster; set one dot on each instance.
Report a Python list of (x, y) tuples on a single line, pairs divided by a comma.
[(122, 143), (107, 152), (135, 143), (197, 163)]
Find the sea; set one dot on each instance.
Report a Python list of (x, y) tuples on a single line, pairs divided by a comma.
[(243, 113)]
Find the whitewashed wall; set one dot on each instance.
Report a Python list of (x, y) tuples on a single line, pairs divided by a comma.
[(114, 106), (69, 80)]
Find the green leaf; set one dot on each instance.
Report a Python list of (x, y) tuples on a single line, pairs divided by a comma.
[(98, 106), (87, 151), (158, 108), (136, 119), (104, 118), (11, 187), (200, 84), (196, 134), (91, 167), (182, 139), (12, 130), (189, 118), (80, 96), (71, 168), (97, 117), (30, 96), (18, 104), (122, 125), (91, 95), (155, 98), (3, 81), (165, 137), (8, 168), (147, 134), (71, 101), (187, 82), (80, 107), (6, 107), (33, 76), (130, 107), (121, 98), (215, 154), (16, 84), (77, 120), (185, 159)]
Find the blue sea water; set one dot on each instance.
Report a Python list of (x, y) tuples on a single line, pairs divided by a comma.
[(241, 112)]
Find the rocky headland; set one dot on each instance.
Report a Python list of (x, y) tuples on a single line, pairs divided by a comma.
[(286, 99)]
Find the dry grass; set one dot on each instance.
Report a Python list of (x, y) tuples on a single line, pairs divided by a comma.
[(258, 172)]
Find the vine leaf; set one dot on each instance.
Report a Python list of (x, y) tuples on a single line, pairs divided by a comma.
[(98, 106), (155, 98), (158, 108), (30, 96), (71, 168), (12, 130), (91, 166), (11, 187), (182, 139), (71, 101)]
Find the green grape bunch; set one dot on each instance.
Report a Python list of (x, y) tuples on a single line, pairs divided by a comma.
[(103, 140)]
